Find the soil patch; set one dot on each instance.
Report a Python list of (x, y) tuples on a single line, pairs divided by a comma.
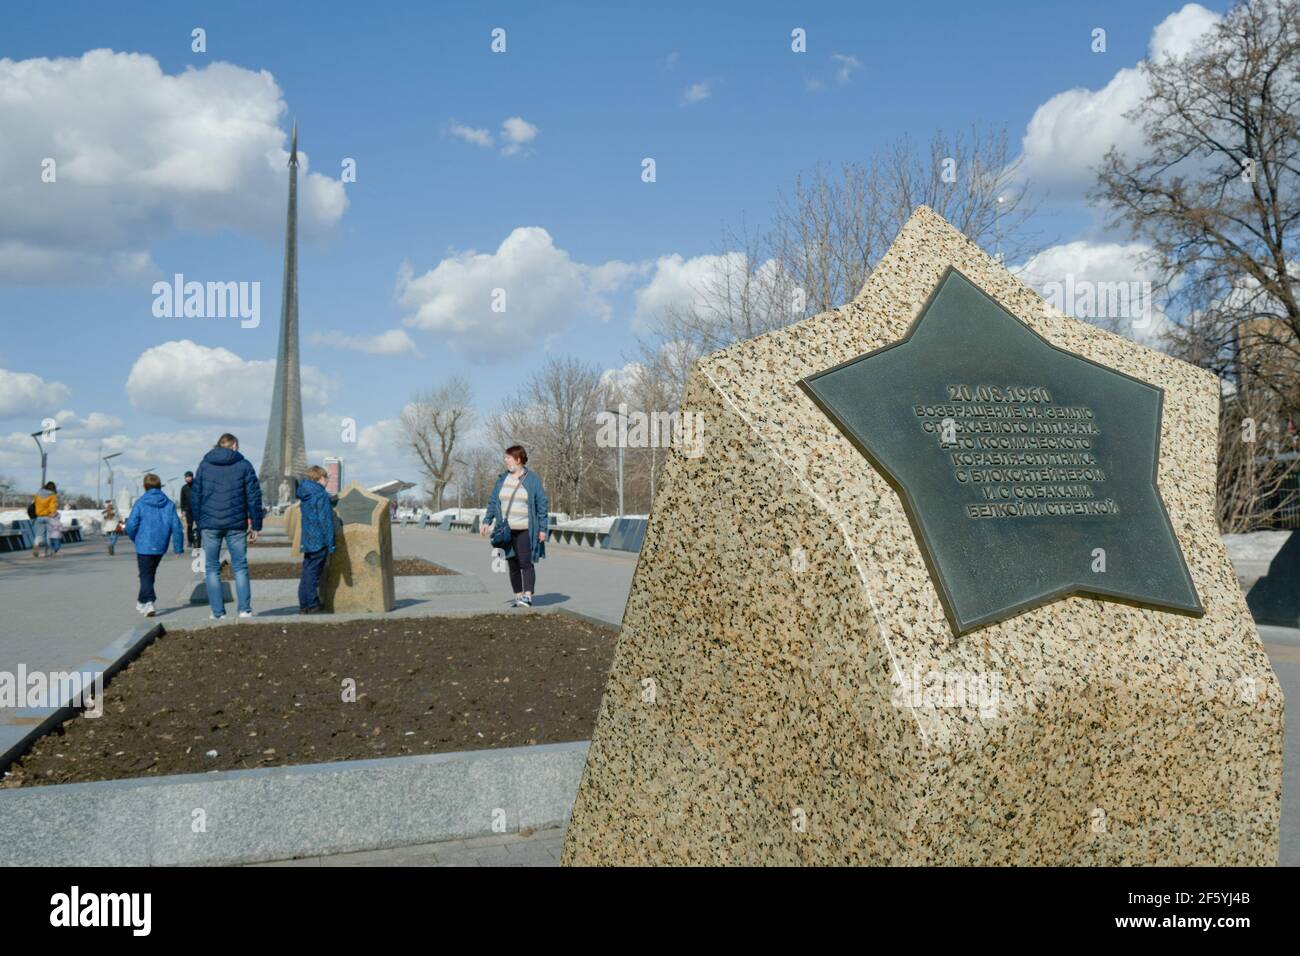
[(264, 695), (279, 570)]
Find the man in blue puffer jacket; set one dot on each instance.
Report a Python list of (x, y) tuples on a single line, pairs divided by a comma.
[(153, 521), (317, 540), (226, 499)]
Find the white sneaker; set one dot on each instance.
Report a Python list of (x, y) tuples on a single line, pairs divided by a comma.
[(148, 610), (245, 613), (213, 617), (139, 608)]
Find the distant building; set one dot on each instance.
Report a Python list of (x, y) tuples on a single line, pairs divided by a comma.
[(334, 469), (391, 489)]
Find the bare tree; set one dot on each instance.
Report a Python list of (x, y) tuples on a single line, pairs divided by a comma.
[(554, 416), (478, 474), (833, 226), (433, 422), (652, 386), (1255, 474), (1214, 193)]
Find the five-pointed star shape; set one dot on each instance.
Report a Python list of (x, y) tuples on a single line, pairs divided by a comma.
[(356, 507), (912, 408)]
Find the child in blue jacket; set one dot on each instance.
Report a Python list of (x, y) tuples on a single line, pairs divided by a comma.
[(152, 522), (317, 540)]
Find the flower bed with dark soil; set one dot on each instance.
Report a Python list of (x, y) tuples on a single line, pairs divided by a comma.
[(265, 695), (279, 570)]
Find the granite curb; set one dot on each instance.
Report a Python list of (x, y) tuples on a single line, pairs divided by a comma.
[(278, 813), (20, 727)]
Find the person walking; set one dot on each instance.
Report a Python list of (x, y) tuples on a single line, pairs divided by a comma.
[(56, 532), (316, 537), (109, 526), (152, 523), (227, 502), (44, 503), (517, 518), (187, 510)]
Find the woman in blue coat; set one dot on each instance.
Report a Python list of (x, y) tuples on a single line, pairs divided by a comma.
[(518, 500), (153, 522)]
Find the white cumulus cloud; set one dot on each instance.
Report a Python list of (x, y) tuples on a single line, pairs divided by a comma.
[(138, 155), (27, 394), (470, 134), (692, 284), (516, 133), (1107, 283), (188, 382), (515, 136), (538, 288), (1069, 135)]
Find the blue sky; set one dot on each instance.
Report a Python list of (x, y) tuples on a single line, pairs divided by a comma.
[(163, 171)]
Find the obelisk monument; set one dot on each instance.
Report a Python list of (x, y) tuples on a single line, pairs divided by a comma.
[(285, 459)]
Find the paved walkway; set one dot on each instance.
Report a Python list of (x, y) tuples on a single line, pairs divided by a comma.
[(540, 848), (57, 613)]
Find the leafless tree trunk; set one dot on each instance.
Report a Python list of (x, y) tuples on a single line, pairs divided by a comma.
[(433, 423)]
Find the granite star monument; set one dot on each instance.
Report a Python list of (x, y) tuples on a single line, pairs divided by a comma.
[(943, 586)]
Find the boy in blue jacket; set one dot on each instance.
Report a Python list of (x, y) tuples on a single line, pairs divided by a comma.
[(317, 538), (152, 522)]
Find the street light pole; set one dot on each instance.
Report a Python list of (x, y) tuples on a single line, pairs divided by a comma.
[(108, 460), (621, 412), (460, 482), (36, 437)]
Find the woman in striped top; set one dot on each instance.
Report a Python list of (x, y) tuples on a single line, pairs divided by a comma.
[(519, 500)]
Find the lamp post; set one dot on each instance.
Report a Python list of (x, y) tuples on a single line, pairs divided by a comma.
[(108, 460), (36, 437), (621, 412), (168, 482), (460, 481)]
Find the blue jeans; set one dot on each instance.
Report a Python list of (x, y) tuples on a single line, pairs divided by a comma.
[(313, 568), (237, 545), (40, 532), (147, 566)]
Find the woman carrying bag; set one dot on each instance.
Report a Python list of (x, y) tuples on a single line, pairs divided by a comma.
[(517, 519), (110, 526)]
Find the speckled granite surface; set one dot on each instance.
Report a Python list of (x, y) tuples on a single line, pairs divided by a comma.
[(787, 690)]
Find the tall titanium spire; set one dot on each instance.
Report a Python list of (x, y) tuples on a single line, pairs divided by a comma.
[(285, 460)]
